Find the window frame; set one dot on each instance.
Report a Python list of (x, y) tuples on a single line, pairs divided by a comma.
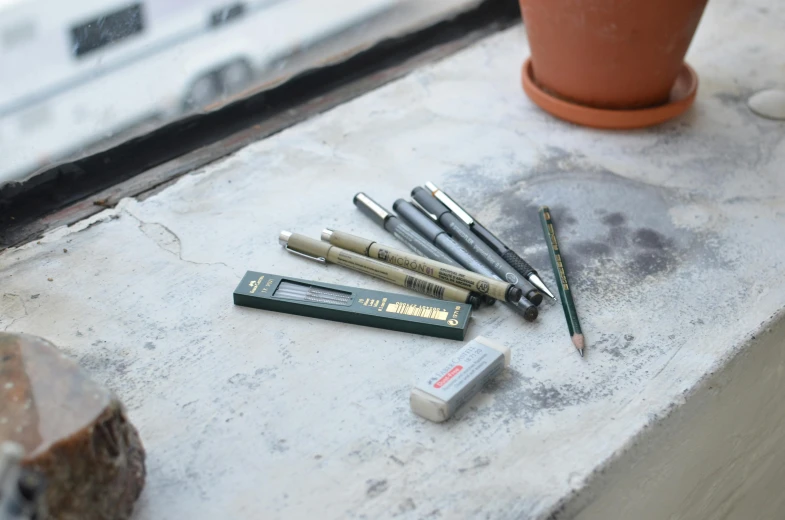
[(141, 165)]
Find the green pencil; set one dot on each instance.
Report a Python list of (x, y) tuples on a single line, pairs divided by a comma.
[(561, 276)]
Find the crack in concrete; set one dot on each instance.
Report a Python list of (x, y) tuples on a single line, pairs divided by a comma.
[(179, 252), (24, 308), (667, 362)]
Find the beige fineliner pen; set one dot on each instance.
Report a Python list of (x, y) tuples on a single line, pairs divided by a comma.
[(327, 253), (468, 280)]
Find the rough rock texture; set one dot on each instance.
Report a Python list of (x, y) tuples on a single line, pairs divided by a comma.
[(74, 431)]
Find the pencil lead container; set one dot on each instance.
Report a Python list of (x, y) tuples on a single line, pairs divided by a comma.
[(380, 309)]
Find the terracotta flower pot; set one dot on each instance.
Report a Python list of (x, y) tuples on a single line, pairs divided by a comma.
[(610, 54)]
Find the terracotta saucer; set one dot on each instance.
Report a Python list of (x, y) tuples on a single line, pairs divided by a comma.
[(682, 96)]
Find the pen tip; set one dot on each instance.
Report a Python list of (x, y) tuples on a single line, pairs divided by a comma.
[(539, 284), (580, 352)]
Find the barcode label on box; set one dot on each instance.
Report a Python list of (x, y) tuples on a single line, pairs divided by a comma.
[(420, 311)]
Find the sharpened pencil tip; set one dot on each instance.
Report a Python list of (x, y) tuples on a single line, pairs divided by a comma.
[(580, 352), (577, 340)]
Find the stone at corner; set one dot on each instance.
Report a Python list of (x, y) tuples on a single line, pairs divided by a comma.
[(74, 431)]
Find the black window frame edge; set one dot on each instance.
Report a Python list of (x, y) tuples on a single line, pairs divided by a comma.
[(72, 191)]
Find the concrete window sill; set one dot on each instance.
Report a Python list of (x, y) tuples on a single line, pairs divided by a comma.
[(674, 242)]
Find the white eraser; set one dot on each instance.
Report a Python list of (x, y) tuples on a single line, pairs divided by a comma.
[(456, 381)]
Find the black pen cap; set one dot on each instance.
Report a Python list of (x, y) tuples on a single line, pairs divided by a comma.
[(487, 300), (373, 210), (534, 296), (429, 203), (514, 293), (424, 225), (526, 309)]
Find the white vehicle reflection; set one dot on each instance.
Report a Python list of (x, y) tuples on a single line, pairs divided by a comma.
[(76, 73)]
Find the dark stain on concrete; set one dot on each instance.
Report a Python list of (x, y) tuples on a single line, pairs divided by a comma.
[(253, 381), (737, 101), (613, 231), (615, 234), (515, 396), (649, 239), (615, 346), (406, 506), (566, 218), (479, 462), (733, 98), (100, 362), (376, 488), (650, 263), (593, 249), (279, 445), (618, 237), (614, 219)]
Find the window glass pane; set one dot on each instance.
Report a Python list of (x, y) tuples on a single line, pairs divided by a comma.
[(79, 76)]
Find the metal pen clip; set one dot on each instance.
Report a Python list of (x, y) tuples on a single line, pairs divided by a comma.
[(451, 204), (424, 211), (283, 239), (320, 259)]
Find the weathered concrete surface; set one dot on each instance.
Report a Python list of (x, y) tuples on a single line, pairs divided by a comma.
[(672, 235), (718, 455)]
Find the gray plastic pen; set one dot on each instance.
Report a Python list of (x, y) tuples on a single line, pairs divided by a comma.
[(460, 232), (431, 231), (498, 247), (401, 230), (437, 236)]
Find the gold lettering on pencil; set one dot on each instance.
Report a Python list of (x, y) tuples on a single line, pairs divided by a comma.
[(552, 233), (562, 274)]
